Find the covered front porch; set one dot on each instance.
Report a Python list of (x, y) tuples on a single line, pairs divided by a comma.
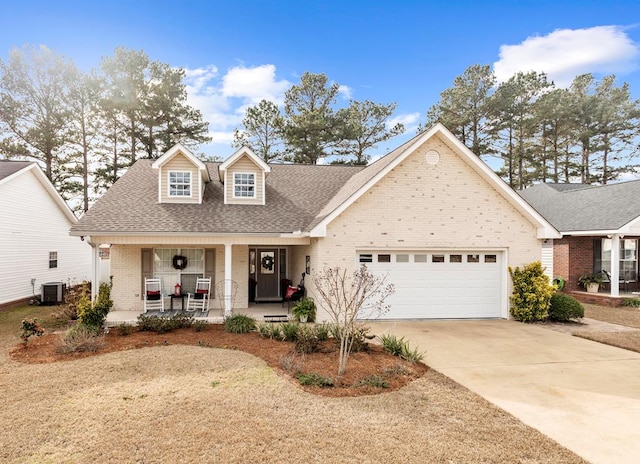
[(611, 257), (243, 270)]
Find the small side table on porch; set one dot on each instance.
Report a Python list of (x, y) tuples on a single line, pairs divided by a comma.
[(173, 296)]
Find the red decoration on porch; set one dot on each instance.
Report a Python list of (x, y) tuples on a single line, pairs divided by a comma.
[(177, 290)]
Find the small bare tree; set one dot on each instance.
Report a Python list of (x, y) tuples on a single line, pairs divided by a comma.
[(348, 297)]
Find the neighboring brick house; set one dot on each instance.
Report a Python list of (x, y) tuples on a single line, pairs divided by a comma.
[(431, 214), (600, 227), (35, 246)]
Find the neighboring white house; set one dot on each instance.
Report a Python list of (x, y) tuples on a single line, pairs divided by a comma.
[(35, 245)]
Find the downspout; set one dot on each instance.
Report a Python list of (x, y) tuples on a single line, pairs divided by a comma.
[(227, 280), (615, 265)]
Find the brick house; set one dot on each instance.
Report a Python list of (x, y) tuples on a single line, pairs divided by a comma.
[(600, 227), (430, 214)]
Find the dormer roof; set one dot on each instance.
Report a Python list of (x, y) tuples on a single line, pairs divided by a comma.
[(178, 148), (243, 151)]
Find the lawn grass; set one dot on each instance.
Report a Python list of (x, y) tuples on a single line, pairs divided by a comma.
[(199, 404), (626, 316), (629, 317)]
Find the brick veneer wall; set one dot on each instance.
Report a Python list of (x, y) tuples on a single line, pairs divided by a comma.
[(573, 257)]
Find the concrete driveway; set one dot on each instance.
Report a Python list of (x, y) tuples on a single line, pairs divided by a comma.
[(583, 394)]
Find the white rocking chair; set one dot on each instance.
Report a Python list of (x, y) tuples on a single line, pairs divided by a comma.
[(200, 299), (153, 297)]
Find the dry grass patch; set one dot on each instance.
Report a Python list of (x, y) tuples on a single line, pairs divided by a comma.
[(626, 340), (629, 317), (188, 404), (194, 404)]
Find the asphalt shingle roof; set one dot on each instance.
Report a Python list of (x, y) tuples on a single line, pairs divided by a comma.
[(8, 168), (294, 196), (578, 207)]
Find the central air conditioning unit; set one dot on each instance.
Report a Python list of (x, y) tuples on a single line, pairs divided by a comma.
[(52, 292)]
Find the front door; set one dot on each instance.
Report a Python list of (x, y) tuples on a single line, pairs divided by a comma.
[(268, 274)]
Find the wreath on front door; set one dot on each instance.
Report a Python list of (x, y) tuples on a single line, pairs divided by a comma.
[(267, 262), (179, 262)]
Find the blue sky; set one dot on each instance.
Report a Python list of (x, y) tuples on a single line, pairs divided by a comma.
[(238, 52)]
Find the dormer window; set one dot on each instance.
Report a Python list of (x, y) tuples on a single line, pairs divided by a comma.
[(244, 185), (179, 184)]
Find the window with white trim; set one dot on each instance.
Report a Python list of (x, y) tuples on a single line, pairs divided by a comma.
[(244, 185), (53, 259), (179, 184)]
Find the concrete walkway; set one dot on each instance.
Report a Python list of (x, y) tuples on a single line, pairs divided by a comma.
[(583, 394)]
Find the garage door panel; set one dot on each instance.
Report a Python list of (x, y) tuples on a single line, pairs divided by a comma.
[(443, 289)]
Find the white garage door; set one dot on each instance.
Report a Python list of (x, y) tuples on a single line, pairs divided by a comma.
[(440, 285)]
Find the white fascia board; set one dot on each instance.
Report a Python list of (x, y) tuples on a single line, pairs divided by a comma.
[(179, 148), (238, 154), (51, 190), (586, 233)]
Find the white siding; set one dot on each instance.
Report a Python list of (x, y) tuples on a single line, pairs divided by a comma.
[(32, 225)]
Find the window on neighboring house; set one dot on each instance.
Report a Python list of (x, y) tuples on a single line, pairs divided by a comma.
[(179, 184), (628, 257), (244, 185), (53, 259)]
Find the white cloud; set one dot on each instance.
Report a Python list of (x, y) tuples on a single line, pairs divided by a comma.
[(254, 84), (409, 120), (224, 99), (566, 53), (345, 92)]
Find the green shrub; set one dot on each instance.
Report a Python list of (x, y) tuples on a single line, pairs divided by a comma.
[(94, 315), (181, 321), (631, 302), (200, 326), (239, 323), (531, 293), (411, 355), (392, 344), (359, 337), (29, 328), (374, 381), (269, 330), (307, 340), (323, 330), (289, 331), (124, 329), (564, 308), (163, 325), (315, 380), (399, 347), (80, 338), (154, 324)]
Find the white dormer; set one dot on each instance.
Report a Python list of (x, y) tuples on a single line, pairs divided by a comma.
[(243, 175), (181, 176)]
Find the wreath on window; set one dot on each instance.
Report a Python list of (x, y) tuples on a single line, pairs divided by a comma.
[(179, 262), (267, 262)]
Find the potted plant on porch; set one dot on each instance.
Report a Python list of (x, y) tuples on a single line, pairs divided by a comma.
[(305, 310), (591, 282)]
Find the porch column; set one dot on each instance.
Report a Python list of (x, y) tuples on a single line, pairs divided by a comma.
[(228, 258), (615, 265), (95, 268)]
